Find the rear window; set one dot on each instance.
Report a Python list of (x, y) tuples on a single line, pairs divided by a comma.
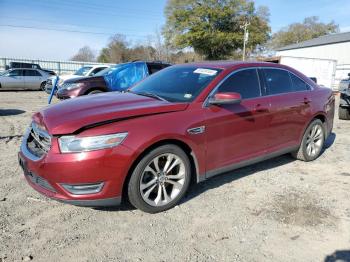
[(278, 81)]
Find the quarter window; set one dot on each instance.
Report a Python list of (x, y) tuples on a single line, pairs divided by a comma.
[(278, 81), (298, 84), (245, 82)]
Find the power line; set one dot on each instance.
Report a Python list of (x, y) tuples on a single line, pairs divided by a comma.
[(69, 31), (56, 21)]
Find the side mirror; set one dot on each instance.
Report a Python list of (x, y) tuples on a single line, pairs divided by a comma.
[(225, 98)]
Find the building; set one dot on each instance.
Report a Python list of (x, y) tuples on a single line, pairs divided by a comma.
[(331, 47)]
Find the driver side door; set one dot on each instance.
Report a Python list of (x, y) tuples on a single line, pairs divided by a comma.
[(237, 132)]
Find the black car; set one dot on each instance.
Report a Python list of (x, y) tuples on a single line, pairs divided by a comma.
[(344, 105), (28, 65)]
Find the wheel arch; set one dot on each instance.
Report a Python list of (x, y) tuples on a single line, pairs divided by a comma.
[(184, 146), (87, 91)]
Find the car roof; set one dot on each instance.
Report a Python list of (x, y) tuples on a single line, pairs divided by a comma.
[(231, 64)]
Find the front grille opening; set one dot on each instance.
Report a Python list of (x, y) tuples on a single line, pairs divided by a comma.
[(38, 144)]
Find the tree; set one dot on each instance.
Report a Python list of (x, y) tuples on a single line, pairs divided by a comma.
[(116, 50), (85, 54), (298, 32), (213, 27)]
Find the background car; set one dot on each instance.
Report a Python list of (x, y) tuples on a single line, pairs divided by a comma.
[(344, 105), (13, 65), (185, 123), (25, 78), (116, 78), (81, 72)]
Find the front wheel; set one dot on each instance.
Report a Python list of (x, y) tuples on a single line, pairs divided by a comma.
[(160, 179), (42, 86), (312, 143)]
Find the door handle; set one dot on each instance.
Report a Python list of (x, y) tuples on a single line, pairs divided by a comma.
[(261, 109)]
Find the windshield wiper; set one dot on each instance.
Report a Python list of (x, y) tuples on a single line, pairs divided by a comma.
[(149, 95)]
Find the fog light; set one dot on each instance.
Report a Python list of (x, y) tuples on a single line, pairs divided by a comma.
[(83, 189)]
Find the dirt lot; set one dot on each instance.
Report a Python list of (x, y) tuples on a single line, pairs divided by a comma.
[(278, 210)]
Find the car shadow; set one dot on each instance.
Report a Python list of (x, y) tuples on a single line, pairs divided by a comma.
[(228, 177), (339, 255), (11, 112)]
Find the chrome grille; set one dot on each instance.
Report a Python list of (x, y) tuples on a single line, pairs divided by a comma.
[(38, 141)]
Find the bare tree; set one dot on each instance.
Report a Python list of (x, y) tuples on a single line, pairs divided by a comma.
[(85, 54)]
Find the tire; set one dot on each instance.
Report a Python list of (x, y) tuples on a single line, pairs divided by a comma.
[(94, 92), (175, 181), (344, 113), (42, 86), (312, 142)]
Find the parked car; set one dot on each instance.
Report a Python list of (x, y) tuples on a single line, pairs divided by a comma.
[(16, 79), (116, 78), (28, 65), (81, 72), (344, 105), (191, 121)]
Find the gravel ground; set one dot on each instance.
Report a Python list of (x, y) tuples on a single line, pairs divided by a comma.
[(277, 210)]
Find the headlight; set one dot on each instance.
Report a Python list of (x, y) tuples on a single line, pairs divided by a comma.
[(73, 144), (70, 86)]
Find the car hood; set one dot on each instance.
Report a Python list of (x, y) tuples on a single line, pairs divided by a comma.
[(84, 79), (72, 115)]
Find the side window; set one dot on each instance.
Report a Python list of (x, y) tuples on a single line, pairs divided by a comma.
[(153, 68), (298, 84), (278, 81), (16, 72), (245, 82), (31, 73)]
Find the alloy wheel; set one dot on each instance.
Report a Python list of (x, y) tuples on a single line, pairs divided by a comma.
[(314, 141), (163, 179)]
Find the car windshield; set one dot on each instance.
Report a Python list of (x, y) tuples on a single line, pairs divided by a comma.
[(177, 83), (83, 71)]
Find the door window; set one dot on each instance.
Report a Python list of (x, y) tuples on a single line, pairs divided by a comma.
[(16, 72), (31, 73), (245, 82), (278, 81), (298, 84)]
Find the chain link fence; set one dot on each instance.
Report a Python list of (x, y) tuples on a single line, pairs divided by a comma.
[(60, 67)]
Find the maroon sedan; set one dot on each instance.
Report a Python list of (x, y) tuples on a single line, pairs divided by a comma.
[(186, 122)]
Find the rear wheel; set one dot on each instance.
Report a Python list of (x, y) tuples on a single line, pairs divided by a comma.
[(42, 86), (344, 113), (160, 179), (312, 143)]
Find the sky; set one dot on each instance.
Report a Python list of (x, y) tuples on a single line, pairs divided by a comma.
[(56, 29)]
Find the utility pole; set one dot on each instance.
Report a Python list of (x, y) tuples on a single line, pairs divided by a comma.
[(245, 37)]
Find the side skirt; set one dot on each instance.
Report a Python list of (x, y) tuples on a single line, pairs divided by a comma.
[(248, 162)]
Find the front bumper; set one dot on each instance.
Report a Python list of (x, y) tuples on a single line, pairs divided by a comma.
[(50, 173), (66, 94)]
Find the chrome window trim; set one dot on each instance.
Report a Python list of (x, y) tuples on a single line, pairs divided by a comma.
[(206, 101)]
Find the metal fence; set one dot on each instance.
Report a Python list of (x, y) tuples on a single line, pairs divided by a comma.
[(60, 67)]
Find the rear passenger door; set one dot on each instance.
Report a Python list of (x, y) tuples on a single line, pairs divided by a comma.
[(32, 79), (289, 98)]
